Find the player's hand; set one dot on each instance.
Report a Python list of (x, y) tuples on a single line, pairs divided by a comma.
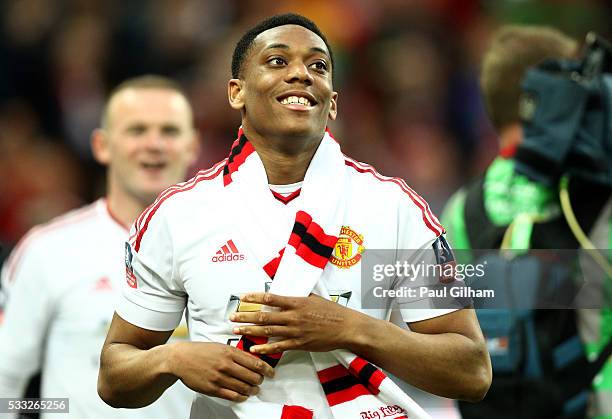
[(305, 323), (219, 370)]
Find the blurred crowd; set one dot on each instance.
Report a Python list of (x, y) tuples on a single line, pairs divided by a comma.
[(406, 70)]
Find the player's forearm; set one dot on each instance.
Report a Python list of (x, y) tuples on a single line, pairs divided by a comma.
[(132, 377), (447, 364)]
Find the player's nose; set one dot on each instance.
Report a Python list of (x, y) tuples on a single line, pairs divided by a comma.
[(297, 71), (154, 140)]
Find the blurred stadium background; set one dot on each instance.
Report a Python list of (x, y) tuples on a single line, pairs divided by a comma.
[(407, 73)]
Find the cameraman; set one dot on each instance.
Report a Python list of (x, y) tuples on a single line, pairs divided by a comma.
[(478, 215)]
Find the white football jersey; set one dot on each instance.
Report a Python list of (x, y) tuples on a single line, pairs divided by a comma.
[(62, 282), (186, 250)]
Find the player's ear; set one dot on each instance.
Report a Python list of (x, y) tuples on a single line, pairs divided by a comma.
[(333, 108), (100, 147), (235, 93)]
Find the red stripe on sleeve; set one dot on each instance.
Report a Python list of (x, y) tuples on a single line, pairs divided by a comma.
[(15, 258), (429, 218), (161, 200), (423, 206), (196, 178)]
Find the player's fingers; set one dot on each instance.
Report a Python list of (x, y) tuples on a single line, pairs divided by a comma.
[(276, 347), (245, 374), (231, 383), (261, 317), (272, 300), (230, 395), (253, 363), (267, 330)]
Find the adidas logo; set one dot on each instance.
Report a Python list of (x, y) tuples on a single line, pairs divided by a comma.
[(228, 253)]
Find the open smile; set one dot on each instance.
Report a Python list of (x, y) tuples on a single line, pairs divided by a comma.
[(153, 166), (297, 100)]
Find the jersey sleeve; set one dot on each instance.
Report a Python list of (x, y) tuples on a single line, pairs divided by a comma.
[(420, 237), (29, 306), (152, 297)]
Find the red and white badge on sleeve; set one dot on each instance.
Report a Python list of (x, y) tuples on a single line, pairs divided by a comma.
[(129, 269), (446, 259)]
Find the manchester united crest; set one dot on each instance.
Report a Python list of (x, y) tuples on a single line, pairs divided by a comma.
[(348, 249)]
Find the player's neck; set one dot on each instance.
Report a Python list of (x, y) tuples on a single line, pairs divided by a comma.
[(285, 161), (124, 209)]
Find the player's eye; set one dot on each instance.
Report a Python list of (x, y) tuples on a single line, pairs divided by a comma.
[(171, 131), (277, 61), (136, 129), (320, 66)]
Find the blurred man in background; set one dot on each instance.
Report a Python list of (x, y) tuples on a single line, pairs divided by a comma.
[(513, 49), (503, 205), (61, 281)]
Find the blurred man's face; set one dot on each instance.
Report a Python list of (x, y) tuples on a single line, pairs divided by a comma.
[(286, 87), (149, 142)]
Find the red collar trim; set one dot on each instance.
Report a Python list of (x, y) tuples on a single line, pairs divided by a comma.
[(286, 199)]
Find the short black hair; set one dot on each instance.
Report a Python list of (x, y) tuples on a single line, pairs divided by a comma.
[(246, 42)]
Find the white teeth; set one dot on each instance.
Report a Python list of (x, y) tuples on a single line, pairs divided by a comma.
[(294, 100)]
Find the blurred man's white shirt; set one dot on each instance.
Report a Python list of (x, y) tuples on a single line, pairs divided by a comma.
[(62, 282)]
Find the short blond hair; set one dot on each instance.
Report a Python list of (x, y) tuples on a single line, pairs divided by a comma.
[(148, 81), (513, 49)]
